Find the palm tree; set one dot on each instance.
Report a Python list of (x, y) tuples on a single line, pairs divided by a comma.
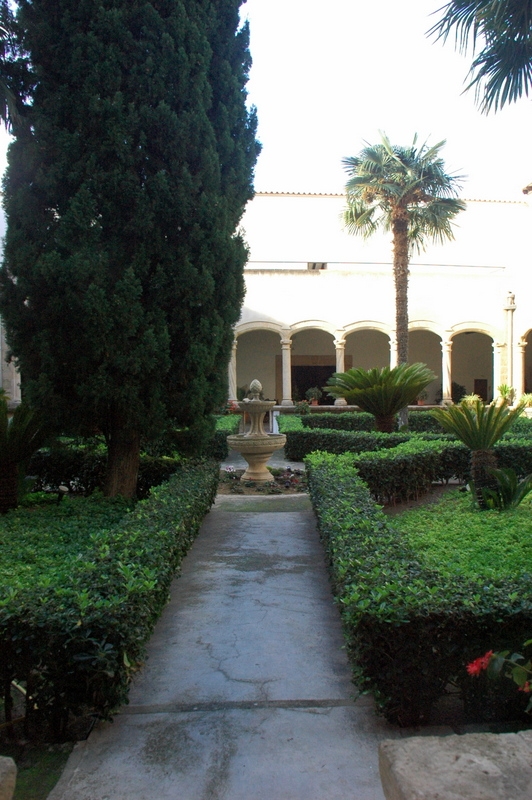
[(381, 392), (479, 427), (502, 71), (405, 190)]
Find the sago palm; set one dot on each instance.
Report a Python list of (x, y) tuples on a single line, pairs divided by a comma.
[(407, 191), (479, 427), (381, 392), (20, 436), (501, 71)]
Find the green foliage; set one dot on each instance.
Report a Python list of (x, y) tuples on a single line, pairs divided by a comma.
[(500, 72), (477, 425), (381, 392), (289, 422), (509, 491), (299, 443), (20, 436), (123, 274), (346, 421), (410, 629), (423, 422), (75, 619), (454, 539), (82, 470)]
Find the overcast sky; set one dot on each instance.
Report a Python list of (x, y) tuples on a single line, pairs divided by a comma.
[(329, 74)]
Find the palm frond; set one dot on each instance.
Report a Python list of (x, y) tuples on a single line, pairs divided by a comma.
[(478, 426), (381, 392)]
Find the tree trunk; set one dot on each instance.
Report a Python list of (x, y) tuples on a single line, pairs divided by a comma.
[(385, 424), (123, 457), (400, 274), (8, 486), (481, 461)]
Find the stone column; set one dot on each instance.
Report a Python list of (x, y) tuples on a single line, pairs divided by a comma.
[(286, 353), (232, 372), (339, 345), (509, 310), (446, 371), (500, 353), (521, 370), (393, 353)]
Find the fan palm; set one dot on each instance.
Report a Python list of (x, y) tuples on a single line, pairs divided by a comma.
[(479, 427), (20, 437), (407, 191), (381, 392), (502, 71)]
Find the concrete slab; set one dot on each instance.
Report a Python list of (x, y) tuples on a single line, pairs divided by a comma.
[(246, 692), (477, 766)]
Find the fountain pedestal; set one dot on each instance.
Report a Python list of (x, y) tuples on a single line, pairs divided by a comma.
[(256, 446)]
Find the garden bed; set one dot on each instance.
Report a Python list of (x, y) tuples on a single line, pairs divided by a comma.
[(410, 627)]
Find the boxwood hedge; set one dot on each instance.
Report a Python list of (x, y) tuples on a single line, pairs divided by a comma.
[(76, 642), (410, 630)]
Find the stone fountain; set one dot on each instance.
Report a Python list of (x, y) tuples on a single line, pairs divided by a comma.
[(256, 446)]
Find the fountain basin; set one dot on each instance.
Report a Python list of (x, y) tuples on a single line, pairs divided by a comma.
[(257, 450)]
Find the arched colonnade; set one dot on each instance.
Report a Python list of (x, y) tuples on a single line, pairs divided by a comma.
[(289, 361)]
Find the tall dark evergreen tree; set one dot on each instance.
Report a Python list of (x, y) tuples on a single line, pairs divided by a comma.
[(123, 271)]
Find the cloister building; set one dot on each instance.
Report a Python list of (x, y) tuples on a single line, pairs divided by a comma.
[(319, 300)]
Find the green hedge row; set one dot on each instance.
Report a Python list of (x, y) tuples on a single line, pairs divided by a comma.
[(410, 631), (83, 471), (299, 443), (347, 421), (77, 643)]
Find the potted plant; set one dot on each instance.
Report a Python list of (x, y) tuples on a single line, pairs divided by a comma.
[(313, 394), (422, 396)]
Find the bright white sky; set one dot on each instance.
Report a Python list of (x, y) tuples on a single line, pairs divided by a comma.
[(329, 74)]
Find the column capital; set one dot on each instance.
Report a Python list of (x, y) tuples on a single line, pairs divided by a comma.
[(522, 344), (447, 346), (339, 344), (286, 343)]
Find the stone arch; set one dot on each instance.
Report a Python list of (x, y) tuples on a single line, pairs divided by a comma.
[(257, 352), (313, 357), (472, 360)]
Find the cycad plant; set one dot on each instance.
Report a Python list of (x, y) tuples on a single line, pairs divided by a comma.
[(20, 436), (479, 427), (381, 392)]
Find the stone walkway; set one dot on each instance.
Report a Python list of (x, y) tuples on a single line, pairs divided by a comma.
[(246, 694)]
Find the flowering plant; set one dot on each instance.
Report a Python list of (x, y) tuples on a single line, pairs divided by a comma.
[(516, 667)]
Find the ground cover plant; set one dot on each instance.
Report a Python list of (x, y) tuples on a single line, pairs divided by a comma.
[(455, 539), (411, 628), (80, 602)]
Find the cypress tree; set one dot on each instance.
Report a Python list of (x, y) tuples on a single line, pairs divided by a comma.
[(123, 271)]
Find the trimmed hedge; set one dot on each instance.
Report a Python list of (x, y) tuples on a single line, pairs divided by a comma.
[(225, 426), (299, 443), (347, 421), (410, 630), (76, 645)]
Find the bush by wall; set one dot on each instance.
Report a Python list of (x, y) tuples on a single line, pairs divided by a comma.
[(76, 642), (409, 629)]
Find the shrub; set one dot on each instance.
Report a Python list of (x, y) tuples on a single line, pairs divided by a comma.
[(76, 634), (347, 421), (423, 422), (409, 629), (299, 443)]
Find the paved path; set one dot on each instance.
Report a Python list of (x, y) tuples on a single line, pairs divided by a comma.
[(246, 694)]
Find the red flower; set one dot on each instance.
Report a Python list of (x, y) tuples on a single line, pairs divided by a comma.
[(525, 687), (479, 664)]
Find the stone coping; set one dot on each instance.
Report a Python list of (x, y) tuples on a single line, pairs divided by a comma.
[(476, 766)]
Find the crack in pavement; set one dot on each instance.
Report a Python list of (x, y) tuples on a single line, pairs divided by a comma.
[(229, 705)]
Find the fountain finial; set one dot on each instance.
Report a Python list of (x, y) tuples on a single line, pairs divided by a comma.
[(255, 388)]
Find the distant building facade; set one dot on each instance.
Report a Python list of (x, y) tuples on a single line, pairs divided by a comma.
[(320, 300)]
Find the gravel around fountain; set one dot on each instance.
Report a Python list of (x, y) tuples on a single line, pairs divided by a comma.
[(284, 481)]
